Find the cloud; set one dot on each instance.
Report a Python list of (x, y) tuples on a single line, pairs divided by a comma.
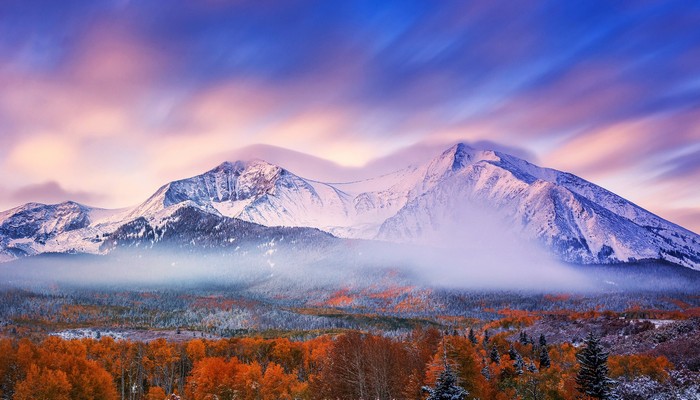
[(48, 192), (121, 97), (684, 166)]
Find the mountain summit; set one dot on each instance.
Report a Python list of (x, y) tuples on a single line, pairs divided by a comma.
[(574, 219)]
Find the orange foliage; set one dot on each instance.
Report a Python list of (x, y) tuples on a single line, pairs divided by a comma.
[(636, 365), (43, 383), (557, 297), (340, 299), (156, 393), (214, 376), (351, 365)]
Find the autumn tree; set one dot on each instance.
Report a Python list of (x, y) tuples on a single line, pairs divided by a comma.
[(43, 383), (214, 376), (156, 393), (364, 366)]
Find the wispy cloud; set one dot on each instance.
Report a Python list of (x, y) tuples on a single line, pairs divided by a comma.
[(117, 96)]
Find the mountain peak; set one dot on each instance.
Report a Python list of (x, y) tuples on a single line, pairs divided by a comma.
[(240, 165), (461, 154)]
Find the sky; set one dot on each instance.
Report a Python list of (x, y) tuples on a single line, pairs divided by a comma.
[(102, 102)]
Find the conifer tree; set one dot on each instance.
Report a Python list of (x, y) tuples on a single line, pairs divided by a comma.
[(545, 361), (543, 340), (512, 352), (472, 336), (531, 367), (486, 338), (523, 338), (592, 378), (519, 364), (446, 387), (486, 371), (494, 356)]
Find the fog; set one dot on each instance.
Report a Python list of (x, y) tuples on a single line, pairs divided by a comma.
[(469, 251)]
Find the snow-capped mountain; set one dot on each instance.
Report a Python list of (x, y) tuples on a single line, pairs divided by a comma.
[(573, 218)]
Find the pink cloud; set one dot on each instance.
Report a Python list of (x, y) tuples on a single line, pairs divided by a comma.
[(48, 192)]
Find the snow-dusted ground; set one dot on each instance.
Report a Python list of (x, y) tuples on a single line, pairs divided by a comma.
[(132, 334)]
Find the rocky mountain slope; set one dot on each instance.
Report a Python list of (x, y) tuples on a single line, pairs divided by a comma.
[(460, 192)]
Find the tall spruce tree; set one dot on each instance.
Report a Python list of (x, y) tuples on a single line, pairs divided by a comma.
[(523, 338), (512, 353), (592, 377), (519, 364), (472, 336), (545, 361), (494, 355), (446, 386)]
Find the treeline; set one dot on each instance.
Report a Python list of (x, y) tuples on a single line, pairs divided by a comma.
[(353, 365), (225, 311)]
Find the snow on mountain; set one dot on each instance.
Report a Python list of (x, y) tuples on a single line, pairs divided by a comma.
[(462, 187), (575, 219), (255, 191)]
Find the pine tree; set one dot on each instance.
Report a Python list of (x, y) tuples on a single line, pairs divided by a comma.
[(543, 341), (531, 367), (545, 361), (523, 338), (512, 353), (472, 336), (494, 356), (486, 338), (446, 387), (592, 378), (486, 371), (519, 364)]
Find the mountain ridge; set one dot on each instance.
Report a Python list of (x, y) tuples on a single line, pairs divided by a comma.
[(574, 219)]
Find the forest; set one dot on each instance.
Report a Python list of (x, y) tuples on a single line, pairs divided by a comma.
[(352, 343), (352, 365)]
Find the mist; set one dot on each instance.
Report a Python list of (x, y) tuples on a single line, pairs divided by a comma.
[(473, 249)]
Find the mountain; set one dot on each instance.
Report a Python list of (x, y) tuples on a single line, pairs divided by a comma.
[(460, 194)]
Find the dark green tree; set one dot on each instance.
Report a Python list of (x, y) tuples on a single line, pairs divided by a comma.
[(494, 355), (592, 378), (512, 352), (518, 364), (545, 361), (446, 387), (523, 338), (472, 336)]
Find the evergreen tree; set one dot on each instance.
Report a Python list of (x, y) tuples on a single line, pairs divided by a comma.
[(592, 378), (519, 364), (486, 371), (472, 336), (486, 338), (531, 367), (494, 356), (543, 341), (545, 361), (446, 387), (512, 352), (523, 338)]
